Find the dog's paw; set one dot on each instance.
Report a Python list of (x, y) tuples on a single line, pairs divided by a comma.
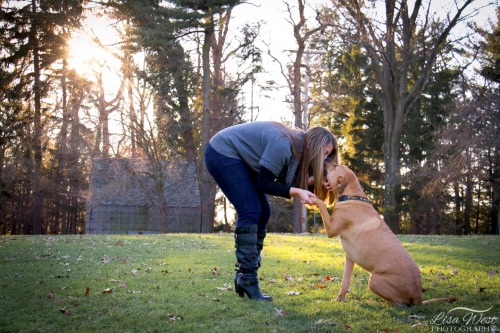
[(341, 298), (316, 200)]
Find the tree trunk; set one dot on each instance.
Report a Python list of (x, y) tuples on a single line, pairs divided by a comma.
[(36, 218), (207, 186), (62, 181), (468, 198), (494, 175), (458, 205), (392, 53), (392, 137), (301, 37)]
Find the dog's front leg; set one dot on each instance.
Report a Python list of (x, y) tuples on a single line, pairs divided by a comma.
[(346, 279), (325, 216)]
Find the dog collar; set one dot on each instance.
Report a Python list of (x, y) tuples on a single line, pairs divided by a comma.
[(346, 197)]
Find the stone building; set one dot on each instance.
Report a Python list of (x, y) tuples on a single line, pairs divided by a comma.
[(129, 196)]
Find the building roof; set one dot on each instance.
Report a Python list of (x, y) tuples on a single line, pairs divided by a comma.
[(132, 182)]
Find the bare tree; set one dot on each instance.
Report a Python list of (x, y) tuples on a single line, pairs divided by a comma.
[(468, 152), (302, 33), (394, 41), (104, 109)]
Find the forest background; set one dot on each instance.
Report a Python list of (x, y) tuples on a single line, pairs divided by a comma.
[(409, 88)]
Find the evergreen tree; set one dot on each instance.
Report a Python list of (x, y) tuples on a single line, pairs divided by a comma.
[(352, 113), (33, 36)]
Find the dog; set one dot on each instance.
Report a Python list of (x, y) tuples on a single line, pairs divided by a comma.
[(368, 242)]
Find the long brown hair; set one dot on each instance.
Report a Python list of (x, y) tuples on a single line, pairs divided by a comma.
[(316, 138)]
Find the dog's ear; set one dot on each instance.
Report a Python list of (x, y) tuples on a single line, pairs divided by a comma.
[(343, 181), (341, 184)]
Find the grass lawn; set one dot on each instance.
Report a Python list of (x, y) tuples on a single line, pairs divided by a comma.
[(183, 283)]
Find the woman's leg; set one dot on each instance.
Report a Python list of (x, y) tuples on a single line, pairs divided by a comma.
[(235, 180)]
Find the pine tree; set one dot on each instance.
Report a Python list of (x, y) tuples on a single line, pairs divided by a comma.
[(33, 36)]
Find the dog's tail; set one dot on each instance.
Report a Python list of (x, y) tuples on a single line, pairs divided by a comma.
[(444, 299)]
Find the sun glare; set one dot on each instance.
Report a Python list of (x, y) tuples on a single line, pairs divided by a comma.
[(86, 55)]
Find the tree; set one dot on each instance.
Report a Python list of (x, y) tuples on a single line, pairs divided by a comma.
[(467, 153), (34, 34), (302, 33), (424, 214), (343, 101), (160, 29), (393, 48)]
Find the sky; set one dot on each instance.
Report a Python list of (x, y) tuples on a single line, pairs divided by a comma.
[(276, 32)]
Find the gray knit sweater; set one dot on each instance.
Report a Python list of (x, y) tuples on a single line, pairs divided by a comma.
[(262, 143)]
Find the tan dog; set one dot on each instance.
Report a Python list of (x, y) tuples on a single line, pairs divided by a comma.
[(368, 242)]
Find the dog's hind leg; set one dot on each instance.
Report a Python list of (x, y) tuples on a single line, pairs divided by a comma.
[(346, 279), (384, 287)]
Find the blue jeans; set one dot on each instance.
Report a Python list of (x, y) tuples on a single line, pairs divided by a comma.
[(237, 182)]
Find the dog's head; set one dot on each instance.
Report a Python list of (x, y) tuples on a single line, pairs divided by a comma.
[(339, 176)]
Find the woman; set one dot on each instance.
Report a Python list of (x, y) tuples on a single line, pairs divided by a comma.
[(253, 159)]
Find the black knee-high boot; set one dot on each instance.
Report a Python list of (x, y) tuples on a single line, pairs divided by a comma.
[(247, 281)]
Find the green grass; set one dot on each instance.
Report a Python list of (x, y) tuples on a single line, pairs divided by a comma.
[(183, 283)]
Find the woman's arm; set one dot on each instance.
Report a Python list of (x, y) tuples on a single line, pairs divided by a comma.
[(304, 195), (266, 182)]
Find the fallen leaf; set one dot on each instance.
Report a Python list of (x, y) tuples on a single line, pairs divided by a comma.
[(454, 272), (280, 312), (66, 312), (482, 289), (320, 285), (226, 287), (416, 317), (174, 318), (87, 291), (107, 291), (134, 272), (293, 293), (491, 272), (215, 271), (51, 294), (105, 260), (419, 325)]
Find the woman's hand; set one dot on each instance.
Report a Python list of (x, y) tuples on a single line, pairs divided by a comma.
[(303, 195)]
